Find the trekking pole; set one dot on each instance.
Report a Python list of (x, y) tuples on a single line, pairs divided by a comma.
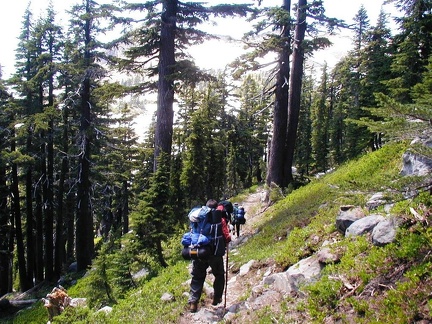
[(226, 275)]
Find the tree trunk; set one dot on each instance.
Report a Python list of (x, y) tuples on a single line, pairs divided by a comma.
[(280, 112), (160, 253), (49, 183), (30, 222), (25, 284), (125, 203), (5, 236), (165, 101), (60, 220), (295, 89), (84, 220), (70, 224), (39, 238), (59, 251)]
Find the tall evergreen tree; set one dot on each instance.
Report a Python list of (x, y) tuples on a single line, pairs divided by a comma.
[(203, 165), (6, 230), (276, 162), (28, 104), (377, 58), (294, 98), (414, 46), (253, 131), (153, 225), (320, 124), (86, 25), (279, 19), (303, 153), (356, 137)]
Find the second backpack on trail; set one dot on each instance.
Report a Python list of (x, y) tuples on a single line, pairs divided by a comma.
[(239, 216), (205, 237)]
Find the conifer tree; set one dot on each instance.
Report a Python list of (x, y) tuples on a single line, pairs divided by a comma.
[(203, 166), (320, 124), (376, 61), (402, 121), (414, 46), (6, 230), (303, 154), (86, 26), (252, 130), (277, 27), (153, 217), (28, 104), (357, 138)]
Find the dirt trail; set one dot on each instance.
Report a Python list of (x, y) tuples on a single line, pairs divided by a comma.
[(253, 206), (207, 313)]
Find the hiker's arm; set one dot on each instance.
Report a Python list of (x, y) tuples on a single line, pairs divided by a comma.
[(225, 231)]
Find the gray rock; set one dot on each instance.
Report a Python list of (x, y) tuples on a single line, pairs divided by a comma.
[(384, 232), (346, 216), (244, 269), (166, 297), (326, 256), (73, 267), (105, 309), (363, 225), (78, 302), (269, 297), (416, 165), (304, 271)]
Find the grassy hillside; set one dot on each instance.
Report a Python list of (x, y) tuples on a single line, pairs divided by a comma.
[(389, 284)]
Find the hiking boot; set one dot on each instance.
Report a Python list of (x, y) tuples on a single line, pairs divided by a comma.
[(216, 301), (193, 307)]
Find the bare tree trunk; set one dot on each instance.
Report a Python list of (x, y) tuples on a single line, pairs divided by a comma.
[(48, 188), (5, 236), (84, 221), (295, 89), (165, 113), (39, 237), (25, 284), (30, 221), (125, 209), (280, 112), (61, 220)]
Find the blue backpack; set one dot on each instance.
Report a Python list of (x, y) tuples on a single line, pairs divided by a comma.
[(205, 237), (240, 216)]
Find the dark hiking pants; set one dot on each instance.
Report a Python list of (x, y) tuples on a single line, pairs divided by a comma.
[(199, 272)]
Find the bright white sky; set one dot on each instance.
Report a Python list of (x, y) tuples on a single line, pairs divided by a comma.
[(212, 55)]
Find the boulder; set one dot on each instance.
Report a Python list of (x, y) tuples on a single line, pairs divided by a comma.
[(244, 269), (326, 256), (384, 232), (347, 215), (363, 225), (304, 271), (416, 165)]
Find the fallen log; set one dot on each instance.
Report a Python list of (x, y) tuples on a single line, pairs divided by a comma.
[(22, 302)]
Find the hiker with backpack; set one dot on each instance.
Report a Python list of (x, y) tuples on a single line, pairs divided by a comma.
[(238, 218), (206, 246)]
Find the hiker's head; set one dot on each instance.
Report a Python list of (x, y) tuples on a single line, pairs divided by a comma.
[(236, 204), (211, 203)]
